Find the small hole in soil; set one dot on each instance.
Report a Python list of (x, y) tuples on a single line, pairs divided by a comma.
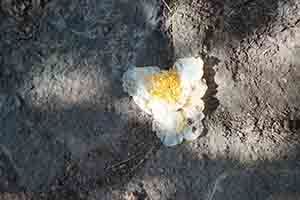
[(189, 121), (294, 124), (194, 129), (210, 100)]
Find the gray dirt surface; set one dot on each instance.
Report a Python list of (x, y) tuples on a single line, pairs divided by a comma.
[(68, 131)]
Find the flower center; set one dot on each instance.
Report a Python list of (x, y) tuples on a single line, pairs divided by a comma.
[(164, 85)]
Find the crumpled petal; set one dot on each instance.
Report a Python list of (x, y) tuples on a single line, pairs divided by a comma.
[(190, 69), (168, 126), (170, 119), (171, 139), (168, 138), (189, 134), (134, 85)]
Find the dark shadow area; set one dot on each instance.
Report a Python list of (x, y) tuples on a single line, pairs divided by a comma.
[(8, 178), (67, 125), (243, 18), (149, 53), (294, 124), (215, 179), (220, 178), (222, 25), (210, 100), (211, 27)]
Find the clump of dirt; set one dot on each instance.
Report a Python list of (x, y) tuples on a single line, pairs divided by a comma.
[(66, 124), (255, 58), (25, 14)]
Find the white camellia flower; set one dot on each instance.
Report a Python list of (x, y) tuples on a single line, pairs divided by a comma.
[(172, 97)]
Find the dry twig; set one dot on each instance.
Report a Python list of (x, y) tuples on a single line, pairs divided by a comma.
[(167, 6)]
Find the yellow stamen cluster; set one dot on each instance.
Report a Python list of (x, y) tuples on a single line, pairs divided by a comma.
[(165, 85)]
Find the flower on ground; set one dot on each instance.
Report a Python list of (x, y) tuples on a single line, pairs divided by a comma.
[(173, 97)]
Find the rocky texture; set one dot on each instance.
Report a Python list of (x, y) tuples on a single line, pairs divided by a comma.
[(62, 103), (67, 130)]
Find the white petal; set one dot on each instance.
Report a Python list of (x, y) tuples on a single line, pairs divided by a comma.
[(166, 128), (191, 72), (172, 139), (134, 85), (134, 80), (194, 109), (170, 125), (188, 134), (190, 69)]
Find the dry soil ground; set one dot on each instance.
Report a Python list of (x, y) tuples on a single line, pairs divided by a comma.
[(68, 131)]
